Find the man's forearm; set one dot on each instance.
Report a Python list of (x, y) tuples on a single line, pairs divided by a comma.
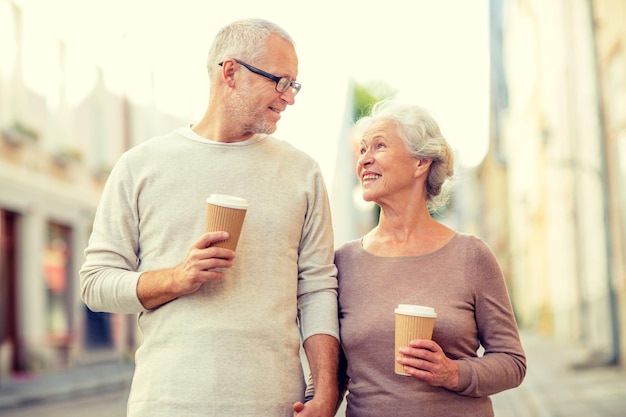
[(153, 289), (322, 352)]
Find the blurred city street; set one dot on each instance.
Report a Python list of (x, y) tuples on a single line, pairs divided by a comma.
[(554, 387)]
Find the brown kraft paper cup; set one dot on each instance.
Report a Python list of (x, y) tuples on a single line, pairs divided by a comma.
[(412, 322), (226, 213)]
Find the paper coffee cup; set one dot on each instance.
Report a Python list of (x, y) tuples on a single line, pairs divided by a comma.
[(226, 213), (412, 322)]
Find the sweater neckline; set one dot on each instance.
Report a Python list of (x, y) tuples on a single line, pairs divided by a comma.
[(188, 133), (445, 248)]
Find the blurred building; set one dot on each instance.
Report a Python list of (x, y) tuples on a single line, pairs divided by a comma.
[(64, 121), (553, 181)]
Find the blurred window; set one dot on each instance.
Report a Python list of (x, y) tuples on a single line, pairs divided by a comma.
[(56, 261)]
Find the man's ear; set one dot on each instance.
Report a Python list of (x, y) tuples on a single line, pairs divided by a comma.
[(228, 72)]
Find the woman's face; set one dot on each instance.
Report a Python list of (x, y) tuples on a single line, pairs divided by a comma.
[(384, 167)]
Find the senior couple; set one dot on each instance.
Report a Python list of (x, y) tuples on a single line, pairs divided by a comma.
[(222, 330)]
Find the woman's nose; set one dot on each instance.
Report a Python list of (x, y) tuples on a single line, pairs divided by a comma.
[(364, 159)]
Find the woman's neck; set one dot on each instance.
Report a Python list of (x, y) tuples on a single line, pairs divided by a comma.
[(406, 234)]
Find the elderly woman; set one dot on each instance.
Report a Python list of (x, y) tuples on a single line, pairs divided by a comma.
[(411, 258)]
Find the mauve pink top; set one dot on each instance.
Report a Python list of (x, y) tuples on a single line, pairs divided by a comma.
[(465, 285)]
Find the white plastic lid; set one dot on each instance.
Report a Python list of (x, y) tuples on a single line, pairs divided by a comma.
[(228, 201), (415, 310)]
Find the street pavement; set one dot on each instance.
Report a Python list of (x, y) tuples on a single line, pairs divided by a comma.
[(559, 384), (83, 381), (554, 387)]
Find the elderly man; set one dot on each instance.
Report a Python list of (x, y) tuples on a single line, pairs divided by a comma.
[(222, 333)]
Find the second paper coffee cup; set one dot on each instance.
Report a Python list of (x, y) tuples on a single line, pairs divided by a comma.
[(412, 322), (226, 213)]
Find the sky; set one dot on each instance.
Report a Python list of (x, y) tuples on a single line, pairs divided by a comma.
[(431, 52)]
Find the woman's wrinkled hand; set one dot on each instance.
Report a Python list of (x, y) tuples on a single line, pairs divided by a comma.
[(425, 360)]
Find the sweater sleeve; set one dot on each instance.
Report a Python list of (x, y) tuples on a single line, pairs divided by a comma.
[(503, 364), (317, 274), (109, 276)]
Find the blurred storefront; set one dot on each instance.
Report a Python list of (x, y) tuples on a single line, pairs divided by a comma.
[(61, 131)]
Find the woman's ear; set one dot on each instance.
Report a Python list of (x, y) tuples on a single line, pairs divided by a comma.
[(422, 165)]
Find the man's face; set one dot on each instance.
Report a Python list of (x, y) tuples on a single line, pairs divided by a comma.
[(256, 102)]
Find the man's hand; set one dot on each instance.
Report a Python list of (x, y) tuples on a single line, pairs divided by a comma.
[(313, 409), (203, 263)]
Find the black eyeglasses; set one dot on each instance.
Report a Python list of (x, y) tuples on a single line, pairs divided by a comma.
[(282, 83)]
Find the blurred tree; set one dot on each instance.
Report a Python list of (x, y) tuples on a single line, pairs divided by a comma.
[(365, 95)]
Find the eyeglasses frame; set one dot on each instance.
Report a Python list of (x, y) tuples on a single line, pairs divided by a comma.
[(295, 87)]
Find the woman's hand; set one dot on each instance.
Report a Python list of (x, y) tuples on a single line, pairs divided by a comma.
[(426, 361)]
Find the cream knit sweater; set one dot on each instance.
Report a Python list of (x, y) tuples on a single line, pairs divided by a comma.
[(232, 348)]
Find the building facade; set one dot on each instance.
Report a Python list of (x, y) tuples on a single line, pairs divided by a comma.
[(556, 160), (62, 127), (610, 50)]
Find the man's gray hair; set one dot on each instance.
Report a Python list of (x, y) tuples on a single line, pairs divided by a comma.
[(243, 39)]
